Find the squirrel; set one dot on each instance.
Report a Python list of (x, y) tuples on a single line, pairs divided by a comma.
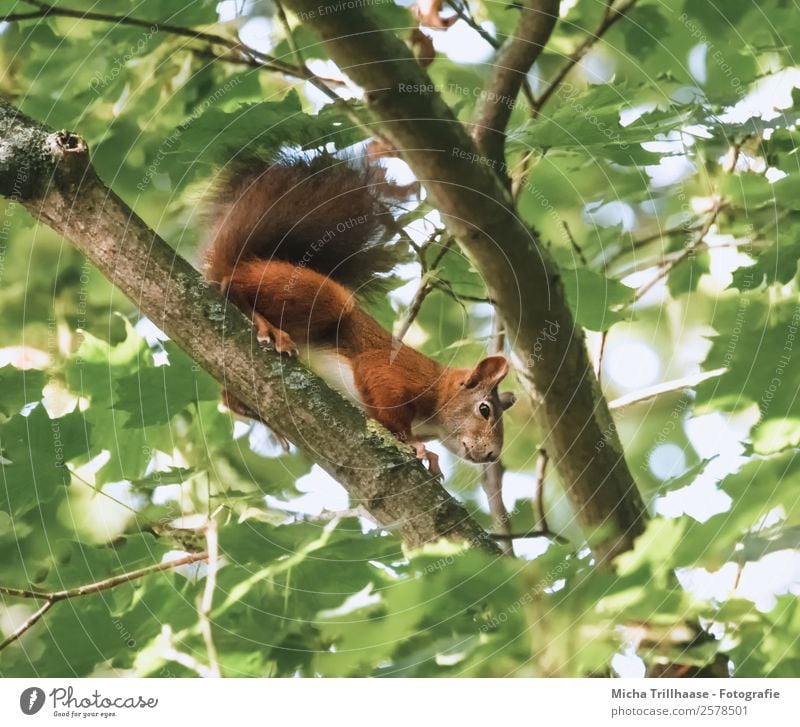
[(293, 243)]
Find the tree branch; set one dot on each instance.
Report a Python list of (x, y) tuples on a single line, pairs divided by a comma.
[(668, 387), (532, 534), (690, 250), (611, 16), (27, 625), (509, 70), (521, 276), (92, 588), (492, 473), (48, 10), (541, 473), (50, 599), (207, 599), (463, 12), (49, 173), (237, 52), (424, 289)]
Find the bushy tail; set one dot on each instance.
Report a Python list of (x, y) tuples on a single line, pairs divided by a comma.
[(323, 213)]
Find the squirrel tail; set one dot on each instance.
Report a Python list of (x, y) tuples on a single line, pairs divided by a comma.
[(323, 213)]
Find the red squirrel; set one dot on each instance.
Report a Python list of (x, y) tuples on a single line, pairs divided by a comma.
[(292, 244)]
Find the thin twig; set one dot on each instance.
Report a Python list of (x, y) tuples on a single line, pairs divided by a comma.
[(681, 229), (237, 52), (575, 246), (27, 624), (12, 17), (53, 597), (426, 286), (194, 34), (610, 18), (289, 35), (492, 473), (207, 600), (536, 533), (541, 472), (447, 287), (686, 254), (105, 584), (598, 371), (464, 13), (414, 309), (172, 653), (668, 387)]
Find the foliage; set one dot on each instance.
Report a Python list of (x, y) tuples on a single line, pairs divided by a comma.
[(113, 447)]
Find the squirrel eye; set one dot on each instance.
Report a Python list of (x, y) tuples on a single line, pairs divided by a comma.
[(485, 410)]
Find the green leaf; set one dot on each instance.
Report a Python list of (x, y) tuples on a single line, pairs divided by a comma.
[(264, 129), (171, 476), (96, 365), (35, 450), (685, 277), (19, 387), (644, 29), (758, 488), (595, 299), (775, 264), (588, 122), (755, 345), (154, 395)]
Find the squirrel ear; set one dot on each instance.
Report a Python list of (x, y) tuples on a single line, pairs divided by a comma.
[(507, 400), (489, 372)]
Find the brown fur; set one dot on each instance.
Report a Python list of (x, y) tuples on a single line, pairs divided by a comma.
[(299, 303)]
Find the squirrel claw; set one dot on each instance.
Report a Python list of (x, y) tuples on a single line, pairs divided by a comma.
[(425, 455), (267, 333), (282, 343)]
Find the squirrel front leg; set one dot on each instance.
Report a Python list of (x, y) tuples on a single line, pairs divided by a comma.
[(384, 393), (398, 419), (424, 454), (404, 434)]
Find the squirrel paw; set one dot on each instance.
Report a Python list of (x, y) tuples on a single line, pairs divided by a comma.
[(267, 333), (426, 456)]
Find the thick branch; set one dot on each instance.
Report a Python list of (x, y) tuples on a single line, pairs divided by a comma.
[(510, 68), (553, 364), (50, 174)]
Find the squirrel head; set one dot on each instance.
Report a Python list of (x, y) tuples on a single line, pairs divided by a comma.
[(471, 410)]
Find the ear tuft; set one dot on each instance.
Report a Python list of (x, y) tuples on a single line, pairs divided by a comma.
[(488, 373)]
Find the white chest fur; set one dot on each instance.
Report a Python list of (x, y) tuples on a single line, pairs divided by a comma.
[(335, 370)]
